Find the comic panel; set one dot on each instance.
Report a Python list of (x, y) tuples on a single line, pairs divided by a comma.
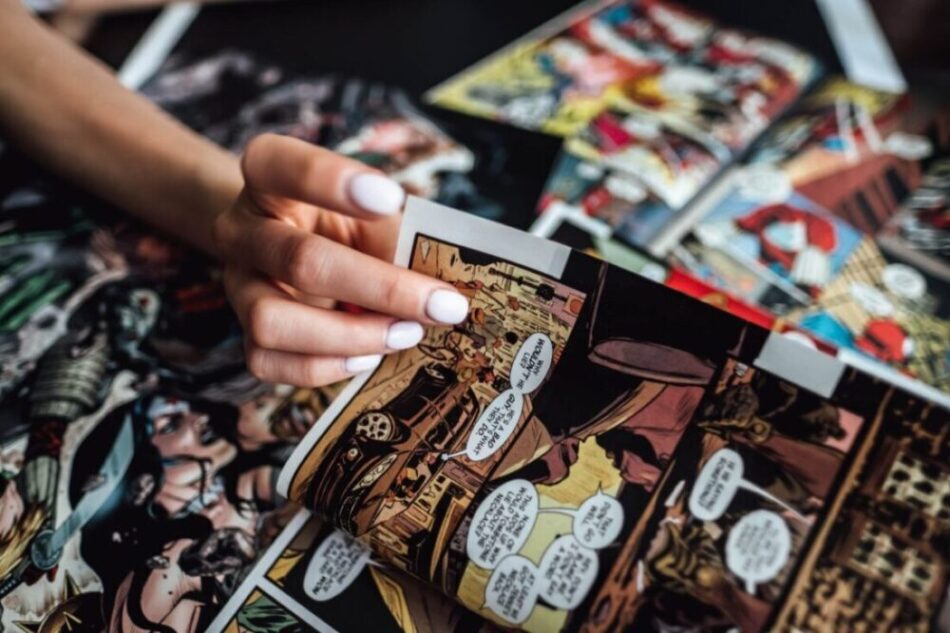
[(328, 573), (918, 232), (689, 514), (883, 564), (402, 461)]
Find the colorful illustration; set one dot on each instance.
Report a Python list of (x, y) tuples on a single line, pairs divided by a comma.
[(748, 243), (889, 311), (854, 151), (233, 97), (608, 466), (653, 101)]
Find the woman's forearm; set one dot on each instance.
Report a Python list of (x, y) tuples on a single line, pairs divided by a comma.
[(67, 110)]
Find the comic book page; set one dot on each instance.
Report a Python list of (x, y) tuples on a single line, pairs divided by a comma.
[(591, 450)]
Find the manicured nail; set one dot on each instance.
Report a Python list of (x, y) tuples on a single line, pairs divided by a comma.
[(404, 334), (376, 193), (356, 364), (447, 306)]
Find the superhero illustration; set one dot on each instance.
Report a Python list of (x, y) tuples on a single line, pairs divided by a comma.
[(647, 56), (793, 244)]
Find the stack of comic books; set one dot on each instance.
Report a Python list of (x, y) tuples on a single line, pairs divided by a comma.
[(593, 450), (712, 150)]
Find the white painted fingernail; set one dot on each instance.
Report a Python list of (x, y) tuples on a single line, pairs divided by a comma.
[(376, 193), (356, 364), (447, 306), (404, 334)]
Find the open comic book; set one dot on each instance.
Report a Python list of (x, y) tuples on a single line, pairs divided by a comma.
[(591, 450)]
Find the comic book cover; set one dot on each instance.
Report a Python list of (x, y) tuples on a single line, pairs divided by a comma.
[(316, 577), (580, 455), (776, 248)]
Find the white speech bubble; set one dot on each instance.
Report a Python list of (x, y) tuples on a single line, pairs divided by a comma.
[(494, 426), (532, 363), (597, 522), (717, 484), (502, 523), (512, 590), (336, 563), (758, 547), (764, 183), (567, 572), (904, 281), (871, 299)]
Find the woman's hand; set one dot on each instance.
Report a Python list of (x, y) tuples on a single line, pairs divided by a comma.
[(312, 228)]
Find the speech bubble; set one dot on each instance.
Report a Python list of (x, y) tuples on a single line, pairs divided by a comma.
[(764, 183), (597, 522), (758, 547), (904, 281), (512, 590), (493, 427), (567, 572), (502, 523), (717, 484), (871, 299), (532, 363), (336, 563)]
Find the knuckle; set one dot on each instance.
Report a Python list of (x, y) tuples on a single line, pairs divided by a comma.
[(221, 231), (256, 149), (259, 323), (308, 266), (256, 361), (393, 291), (315, 372)]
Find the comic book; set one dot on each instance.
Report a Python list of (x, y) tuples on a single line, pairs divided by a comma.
[(653, 100), (591, 450)]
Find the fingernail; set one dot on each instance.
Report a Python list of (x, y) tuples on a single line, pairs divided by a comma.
[(447, 306), (376, 193), (356, 364), (404, 334)]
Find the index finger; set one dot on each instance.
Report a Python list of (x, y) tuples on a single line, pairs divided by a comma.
[(319, 266), (284, 167)]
